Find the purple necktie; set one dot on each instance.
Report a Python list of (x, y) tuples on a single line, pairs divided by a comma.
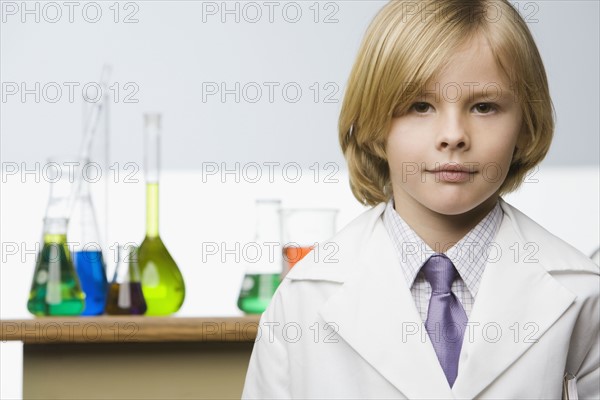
[(446, 318)]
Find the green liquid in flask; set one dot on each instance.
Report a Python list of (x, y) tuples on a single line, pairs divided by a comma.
[(257, 291), (162, 282), (55, 289)]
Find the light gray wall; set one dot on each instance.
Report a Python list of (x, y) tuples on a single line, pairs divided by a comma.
[(176, 46)]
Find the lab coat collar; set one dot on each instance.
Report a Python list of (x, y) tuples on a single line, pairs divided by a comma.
[(518, 302), (377, 317)]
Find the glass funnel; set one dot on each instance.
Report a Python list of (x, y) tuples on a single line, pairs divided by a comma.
[(162, 282)]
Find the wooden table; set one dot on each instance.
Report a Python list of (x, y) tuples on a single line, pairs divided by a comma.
[(133, 357)]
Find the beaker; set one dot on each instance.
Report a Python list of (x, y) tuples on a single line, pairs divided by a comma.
[(125, 296), (87, 251), (302, 229), (263, 272), (55, 288)]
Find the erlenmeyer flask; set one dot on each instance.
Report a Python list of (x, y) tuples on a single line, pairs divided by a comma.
[(55, 288), (87, 251), (162, 282), (62, 173), (125, 296), (263, 276)]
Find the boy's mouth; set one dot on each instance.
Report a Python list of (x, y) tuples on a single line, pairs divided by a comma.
[(453, 167), (452, 172)]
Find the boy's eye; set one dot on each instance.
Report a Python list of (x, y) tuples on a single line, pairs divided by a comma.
[(484, 108), (421, 107)]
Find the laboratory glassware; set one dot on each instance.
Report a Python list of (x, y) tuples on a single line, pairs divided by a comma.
[(302, 229), (125, 294), (55, 288), (263, 272), (87, 250), (162, 282)]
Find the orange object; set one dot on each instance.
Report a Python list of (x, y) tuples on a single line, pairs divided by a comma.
[(293, 254)]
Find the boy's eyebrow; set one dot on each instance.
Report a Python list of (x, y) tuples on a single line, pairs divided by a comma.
[(491, 93)]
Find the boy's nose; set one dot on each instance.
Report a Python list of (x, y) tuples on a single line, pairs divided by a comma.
[(453, 135)]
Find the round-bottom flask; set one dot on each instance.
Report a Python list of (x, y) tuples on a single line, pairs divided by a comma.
[(162, 281)]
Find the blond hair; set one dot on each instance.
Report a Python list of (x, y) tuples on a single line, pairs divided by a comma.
[(406, 45)]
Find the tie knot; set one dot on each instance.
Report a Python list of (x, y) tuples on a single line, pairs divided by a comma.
[(440, 273)]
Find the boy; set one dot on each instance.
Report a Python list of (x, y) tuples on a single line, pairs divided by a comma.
[(441, 290)]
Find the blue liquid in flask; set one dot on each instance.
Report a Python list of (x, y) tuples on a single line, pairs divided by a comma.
[(92, 276)]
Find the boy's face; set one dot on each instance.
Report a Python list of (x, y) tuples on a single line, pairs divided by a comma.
[(467, 117)]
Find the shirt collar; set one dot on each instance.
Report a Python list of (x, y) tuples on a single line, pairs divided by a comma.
[(469, 255)]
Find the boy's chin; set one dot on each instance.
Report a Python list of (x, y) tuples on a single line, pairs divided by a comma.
[(463, 206)]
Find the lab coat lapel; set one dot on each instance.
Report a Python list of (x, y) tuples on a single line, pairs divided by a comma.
[(517, 302), (377, 317)]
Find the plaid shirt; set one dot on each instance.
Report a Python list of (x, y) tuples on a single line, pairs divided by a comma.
[(469, 256)]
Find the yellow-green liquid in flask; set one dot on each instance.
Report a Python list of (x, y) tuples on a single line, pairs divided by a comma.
[(55, 288), (162, 282)]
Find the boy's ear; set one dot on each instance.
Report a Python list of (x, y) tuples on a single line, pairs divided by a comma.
[(521, 142)]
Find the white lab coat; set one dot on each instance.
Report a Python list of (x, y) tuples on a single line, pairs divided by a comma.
[(345, 325)]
